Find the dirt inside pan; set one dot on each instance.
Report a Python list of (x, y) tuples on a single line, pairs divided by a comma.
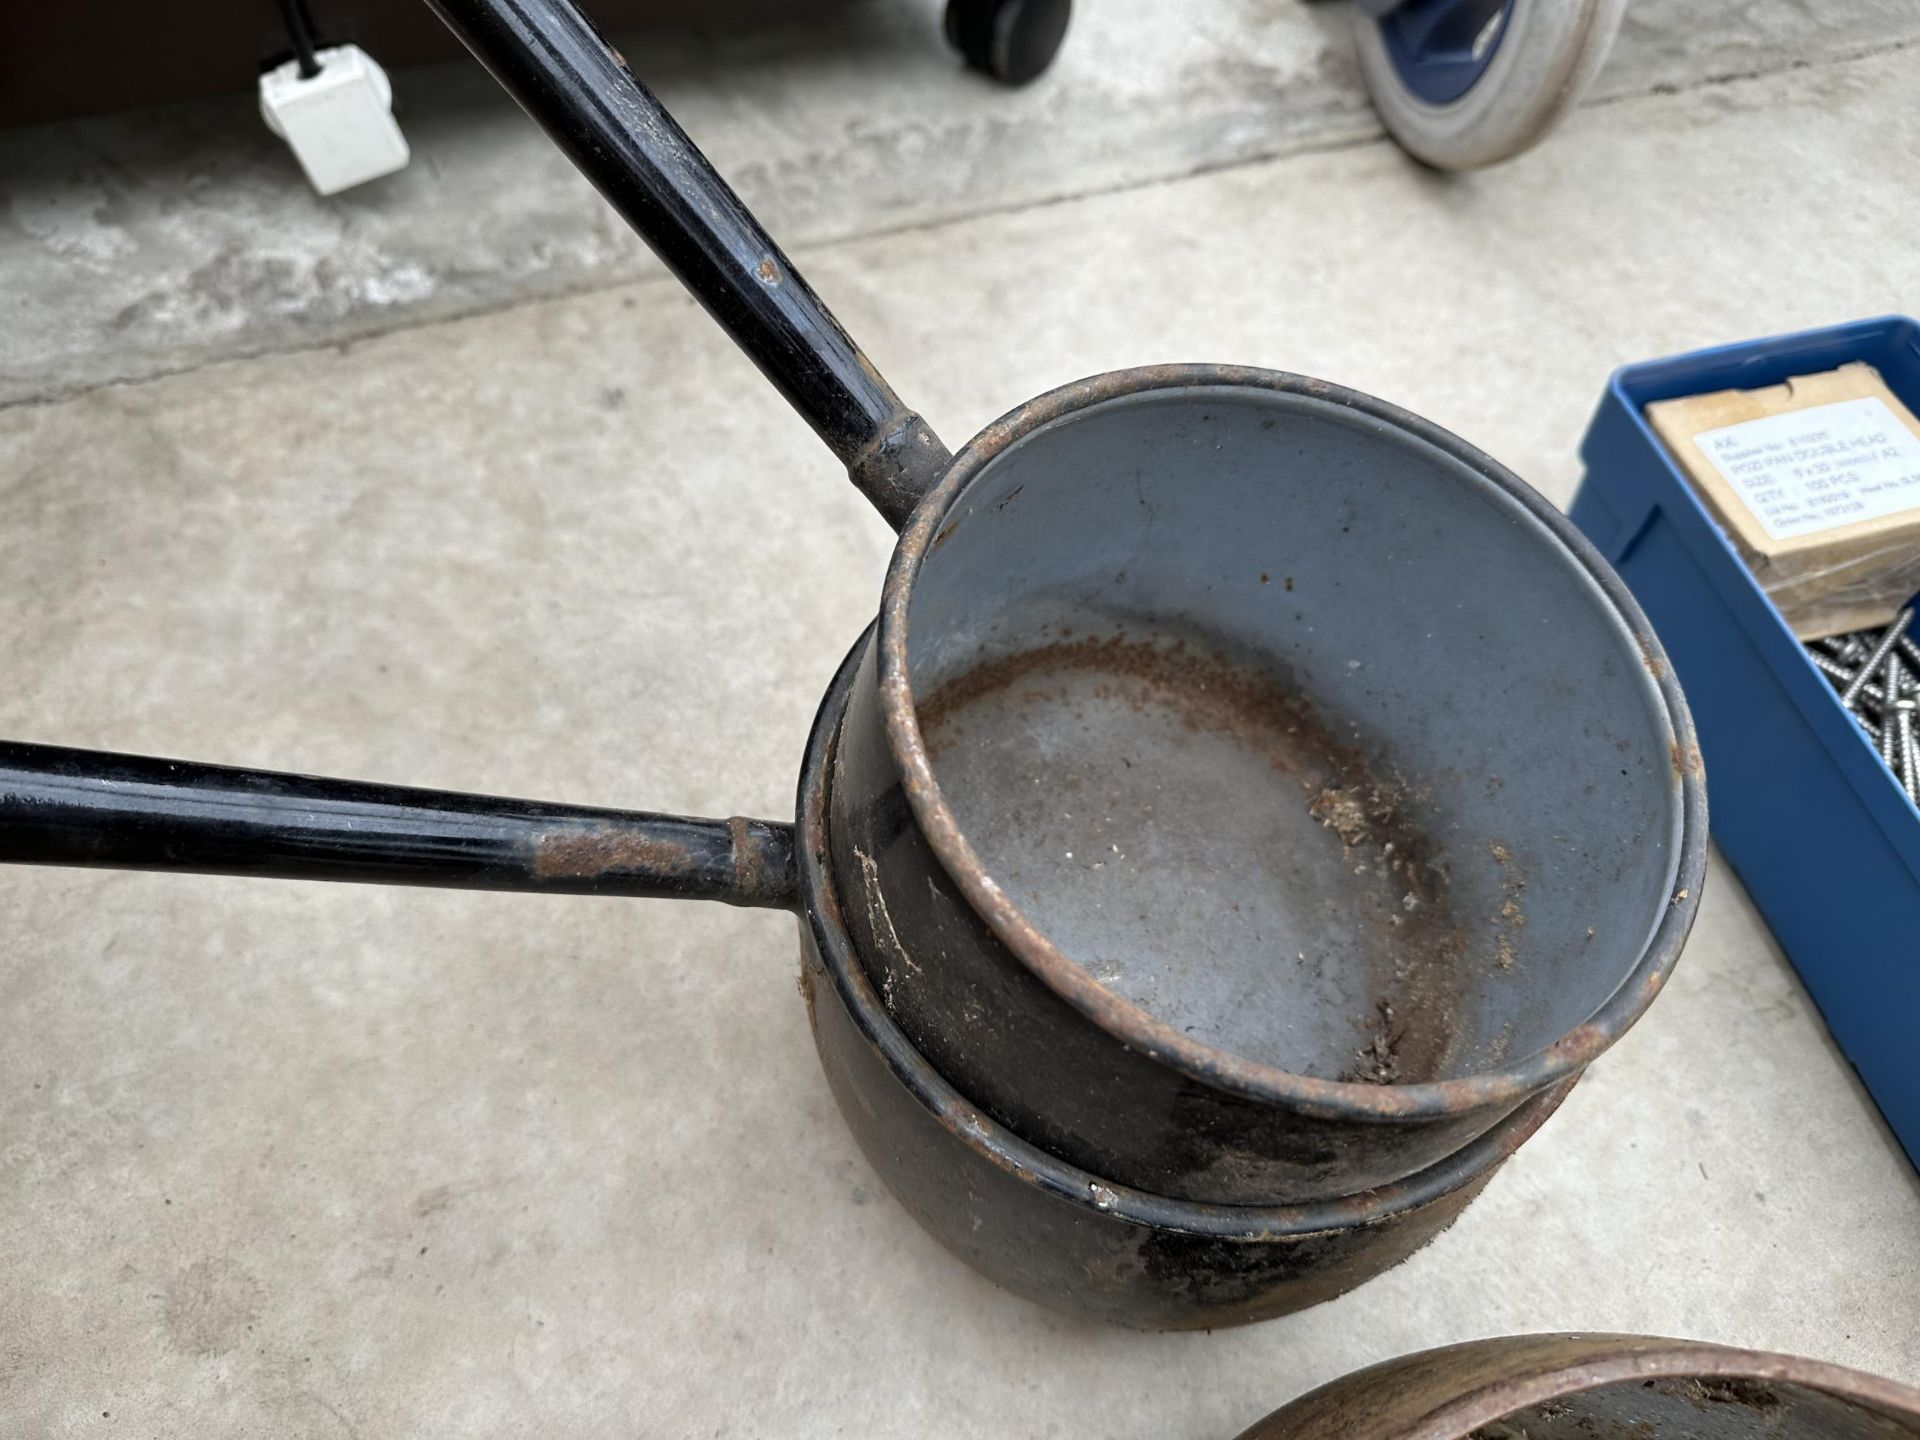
[(1192, 831)]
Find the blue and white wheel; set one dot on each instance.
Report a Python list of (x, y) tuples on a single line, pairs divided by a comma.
[(1466, 83)]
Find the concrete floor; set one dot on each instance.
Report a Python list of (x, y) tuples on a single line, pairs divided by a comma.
[(142, 244), (311, 1161)]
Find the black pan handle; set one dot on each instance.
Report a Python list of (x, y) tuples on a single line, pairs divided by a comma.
[(130, 812), (578, 88)]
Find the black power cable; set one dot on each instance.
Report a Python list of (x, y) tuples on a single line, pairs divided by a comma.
[(300, 32)]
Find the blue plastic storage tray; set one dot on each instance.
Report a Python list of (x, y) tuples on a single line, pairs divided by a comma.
[(1825, 839)]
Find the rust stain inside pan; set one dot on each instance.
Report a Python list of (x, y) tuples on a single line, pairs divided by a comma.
[(1212, 847)]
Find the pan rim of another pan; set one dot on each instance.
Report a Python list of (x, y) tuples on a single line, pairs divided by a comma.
[(821, 914), (1137, 1027), (1593, 1360)]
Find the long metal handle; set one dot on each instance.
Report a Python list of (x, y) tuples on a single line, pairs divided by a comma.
[(130, 812), (578, 88)]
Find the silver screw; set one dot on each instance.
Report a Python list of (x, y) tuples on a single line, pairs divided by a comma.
[(1909, 649), (1869, 692), (1827, 665), (1896, 721), (1909, 752), (1830, 667)]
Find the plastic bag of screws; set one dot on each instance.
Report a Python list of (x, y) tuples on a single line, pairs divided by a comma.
[(1877, 673)]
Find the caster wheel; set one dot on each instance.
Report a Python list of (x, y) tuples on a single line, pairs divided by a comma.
[(1466, 83), (1014, 41)]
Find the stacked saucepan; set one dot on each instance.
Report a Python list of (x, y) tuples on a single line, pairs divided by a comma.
[(1251, 811)]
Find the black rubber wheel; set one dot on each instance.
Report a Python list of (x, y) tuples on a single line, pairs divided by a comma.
[(1014, 41)]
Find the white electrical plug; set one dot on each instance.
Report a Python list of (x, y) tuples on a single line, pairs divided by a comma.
[(340, 122)]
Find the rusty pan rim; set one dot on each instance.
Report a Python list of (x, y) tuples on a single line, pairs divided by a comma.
[(1130, 1023), (1517, 1372), (822, 915)]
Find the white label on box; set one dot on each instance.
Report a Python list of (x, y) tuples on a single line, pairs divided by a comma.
[(1819, 468)]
